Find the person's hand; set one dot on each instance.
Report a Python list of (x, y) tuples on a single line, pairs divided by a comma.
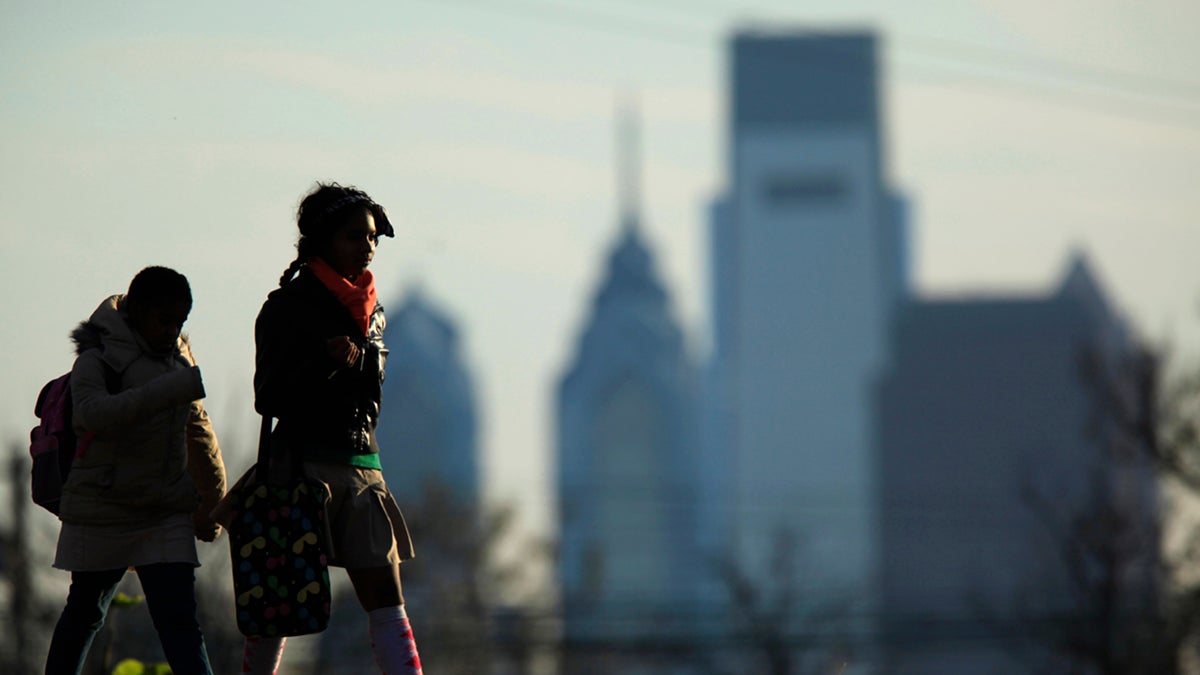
[(343, 350), (207, 529)]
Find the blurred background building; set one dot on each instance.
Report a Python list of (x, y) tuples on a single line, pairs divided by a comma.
[(807, 269), (886, 483), (427, 430), (627, 462), (998, 469)]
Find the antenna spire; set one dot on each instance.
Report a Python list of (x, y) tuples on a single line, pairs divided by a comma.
[(629, 178)]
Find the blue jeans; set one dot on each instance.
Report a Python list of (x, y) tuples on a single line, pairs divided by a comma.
[(171, 598)]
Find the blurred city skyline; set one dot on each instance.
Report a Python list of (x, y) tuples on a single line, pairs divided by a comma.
[(139, 135)]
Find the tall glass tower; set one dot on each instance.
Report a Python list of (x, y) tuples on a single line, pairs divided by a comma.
[(427, 429), (807, 267), (626, 432)]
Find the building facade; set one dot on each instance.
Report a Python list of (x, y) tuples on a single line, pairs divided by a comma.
[(807, 267), (1017, 516), (427, 428), (626, 434)]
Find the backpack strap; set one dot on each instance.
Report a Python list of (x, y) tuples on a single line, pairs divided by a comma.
[(264, 442), (293, 458)]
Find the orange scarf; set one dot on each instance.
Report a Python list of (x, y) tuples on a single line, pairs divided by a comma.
[(358, 296)]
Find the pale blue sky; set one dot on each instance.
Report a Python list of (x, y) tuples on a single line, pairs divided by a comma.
[(183, 134)]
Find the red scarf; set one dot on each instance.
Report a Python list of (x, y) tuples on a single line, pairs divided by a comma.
[(358, 296)]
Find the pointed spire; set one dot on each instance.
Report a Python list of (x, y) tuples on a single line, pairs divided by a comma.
[(629, 178)]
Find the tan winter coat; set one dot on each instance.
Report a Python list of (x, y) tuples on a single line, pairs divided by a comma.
[(154, 452)]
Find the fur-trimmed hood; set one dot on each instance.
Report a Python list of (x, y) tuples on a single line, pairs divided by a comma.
[(108, 329)]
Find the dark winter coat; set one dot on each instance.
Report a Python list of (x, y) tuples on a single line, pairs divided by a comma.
[(322, 406)]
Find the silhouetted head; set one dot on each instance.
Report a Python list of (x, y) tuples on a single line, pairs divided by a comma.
[(158, 303), (340, 224)]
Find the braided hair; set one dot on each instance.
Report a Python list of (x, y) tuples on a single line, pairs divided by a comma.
[(320, 214), (304, 250)]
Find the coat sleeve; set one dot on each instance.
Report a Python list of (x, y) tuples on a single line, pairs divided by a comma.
[(207, 469), (205, 464), (289, 363), (100, 412)]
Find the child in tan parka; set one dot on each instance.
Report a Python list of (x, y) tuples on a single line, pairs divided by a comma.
[(141, 492)]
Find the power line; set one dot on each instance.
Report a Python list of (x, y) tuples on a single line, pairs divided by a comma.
[(959, 50), (596, 21), (988, 56), (1073, 83), (1139, 83)]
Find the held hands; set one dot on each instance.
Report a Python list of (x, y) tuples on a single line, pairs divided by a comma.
[(343, 350)]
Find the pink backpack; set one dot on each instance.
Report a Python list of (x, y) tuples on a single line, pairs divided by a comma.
[(53, 443)]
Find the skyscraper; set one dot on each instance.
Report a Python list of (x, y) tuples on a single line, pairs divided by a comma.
[(626, 455), (807, 268), (428, 423)]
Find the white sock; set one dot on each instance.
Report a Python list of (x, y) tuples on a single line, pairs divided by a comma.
[(261, 656), (392, 641)]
